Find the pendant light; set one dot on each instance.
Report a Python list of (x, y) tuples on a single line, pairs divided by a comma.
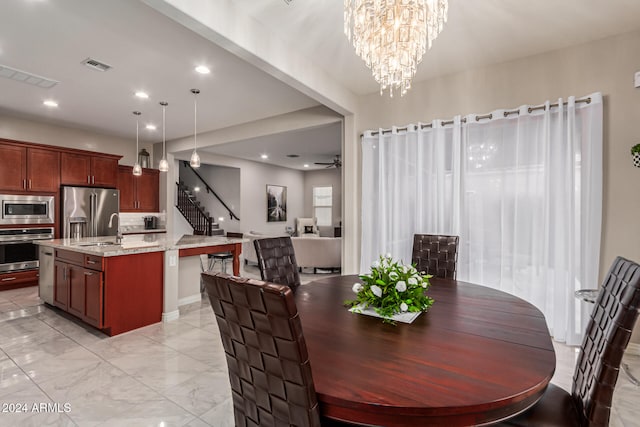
[(137, 170), (164, 165), (195, 158)]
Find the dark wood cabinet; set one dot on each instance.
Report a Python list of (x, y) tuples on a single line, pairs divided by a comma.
[(76, 290), (139, 193), (89, 170), (28, 169), (13, 160), (75, 169), (18, 279), (115, 294), (79, 286), (94, 298), (104, 172), (43, 170)]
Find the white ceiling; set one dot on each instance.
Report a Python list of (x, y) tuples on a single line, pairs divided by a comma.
[(479, 32), (319, 144), (149, 51)]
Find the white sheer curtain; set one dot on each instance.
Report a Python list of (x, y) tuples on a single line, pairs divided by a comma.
[(523, 192)]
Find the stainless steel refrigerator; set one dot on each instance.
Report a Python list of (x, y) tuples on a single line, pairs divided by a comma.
[(87, 212)]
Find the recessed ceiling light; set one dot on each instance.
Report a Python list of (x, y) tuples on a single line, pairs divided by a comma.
[(50, 103), (151, 126), (142, 95), (202, 69), (306, 165), (196, 188), (264, 156)]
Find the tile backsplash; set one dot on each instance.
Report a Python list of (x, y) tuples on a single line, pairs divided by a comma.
[(134, 220)]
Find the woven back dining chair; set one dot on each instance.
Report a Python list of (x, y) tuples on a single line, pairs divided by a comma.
[(277, 261), (606, 337), (266, 354), (436, 254)]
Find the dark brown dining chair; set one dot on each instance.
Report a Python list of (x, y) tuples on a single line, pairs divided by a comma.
[(435, 254), (267, 358), (597, 367), (277, 261)]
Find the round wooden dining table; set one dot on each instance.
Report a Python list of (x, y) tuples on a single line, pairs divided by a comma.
[(477, 356)]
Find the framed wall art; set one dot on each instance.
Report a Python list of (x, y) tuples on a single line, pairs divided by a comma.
[(276, 203)]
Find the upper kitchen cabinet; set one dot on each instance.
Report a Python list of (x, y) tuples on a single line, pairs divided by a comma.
[(89, 170), (139, 193), (24, 168)]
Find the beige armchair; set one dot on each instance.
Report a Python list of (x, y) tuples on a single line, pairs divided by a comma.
[(307, 227)]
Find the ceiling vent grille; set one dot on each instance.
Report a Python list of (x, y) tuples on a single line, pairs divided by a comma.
[(26, 77), (96, 65)]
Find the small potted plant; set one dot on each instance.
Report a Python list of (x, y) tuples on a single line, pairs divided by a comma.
[(635, 155), (392, 291)]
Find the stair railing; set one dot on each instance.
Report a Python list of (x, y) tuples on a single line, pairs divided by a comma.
[(193, 213), (210, 190)]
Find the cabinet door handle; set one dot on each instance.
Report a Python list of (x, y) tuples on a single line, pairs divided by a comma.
[(90, 262), (88, 273), (8, 279), (93, 179), (24, 184), (88, 179), (30, 186)]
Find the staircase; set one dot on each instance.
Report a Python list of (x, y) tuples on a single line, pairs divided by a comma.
[(195, 214)]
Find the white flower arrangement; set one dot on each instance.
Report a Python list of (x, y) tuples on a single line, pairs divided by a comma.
[(391, 288)]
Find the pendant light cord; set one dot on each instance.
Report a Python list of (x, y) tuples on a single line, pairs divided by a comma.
[(164, 149), (195, 121)]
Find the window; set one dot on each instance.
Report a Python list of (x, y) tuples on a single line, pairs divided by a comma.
[(322, 205)]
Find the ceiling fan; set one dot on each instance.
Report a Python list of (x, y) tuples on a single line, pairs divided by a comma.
[(337, 163)]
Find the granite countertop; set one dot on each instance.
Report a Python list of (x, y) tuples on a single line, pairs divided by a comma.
[(141, 230), (105, 246)]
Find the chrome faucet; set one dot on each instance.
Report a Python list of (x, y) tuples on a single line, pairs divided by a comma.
[(119, 232)]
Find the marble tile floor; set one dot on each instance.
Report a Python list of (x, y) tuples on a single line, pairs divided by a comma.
[(55, 371)]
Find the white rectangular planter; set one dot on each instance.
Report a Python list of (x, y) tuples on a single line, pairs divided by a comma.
[(400, 317)]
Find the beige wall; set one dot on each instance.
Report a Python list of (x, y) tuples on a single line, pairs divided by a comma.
[(44, 133), (606, 66)]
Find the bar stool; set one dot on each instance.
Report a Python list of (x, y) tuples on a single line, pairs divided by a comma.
[(222, 258)]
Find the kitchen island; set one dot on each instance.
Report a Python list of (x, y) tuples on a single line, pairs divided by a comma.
[(120, 287)]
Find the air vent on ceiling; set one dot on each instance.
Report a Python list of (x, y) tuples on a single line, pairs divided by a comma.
[(26, 77), (96, 65)]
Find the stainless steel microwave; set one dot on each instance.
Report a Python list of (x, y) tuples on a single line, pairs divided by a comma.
[(22, 209)]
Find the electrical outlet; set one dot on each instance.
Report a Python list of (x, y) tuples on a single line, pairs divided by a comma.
[(637, 81)]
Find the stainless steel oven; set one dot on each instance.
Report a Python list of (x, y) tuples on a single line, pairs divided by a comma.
[(23, 209), (17, 248)]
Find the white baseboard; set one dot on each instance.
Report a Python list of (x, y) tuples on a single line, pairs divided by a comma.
[(173, 315), (189, 300), (634, 349)]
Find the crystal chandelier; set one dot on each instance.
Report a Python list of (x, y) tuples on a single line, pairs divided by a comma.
[(391, 36)]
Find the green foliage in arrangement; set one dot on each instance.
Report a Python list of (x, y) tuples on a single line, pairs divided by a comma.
[(635, 149), (391, 288)]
